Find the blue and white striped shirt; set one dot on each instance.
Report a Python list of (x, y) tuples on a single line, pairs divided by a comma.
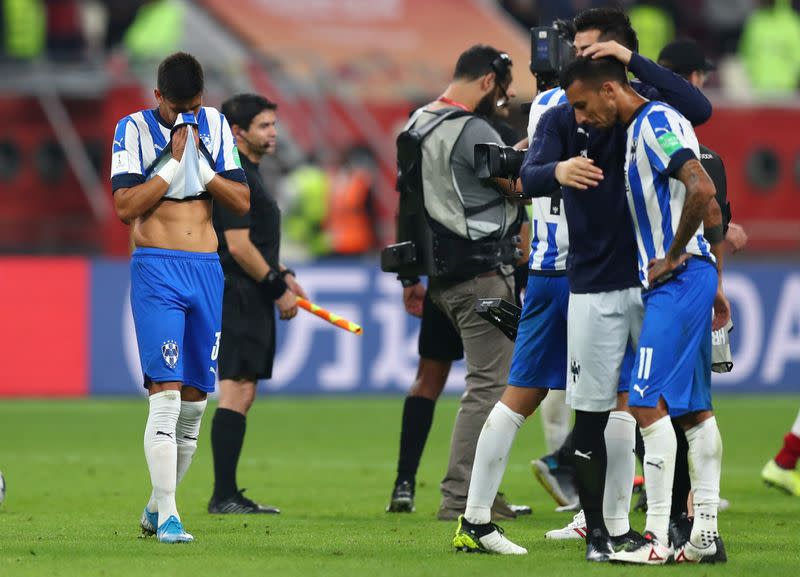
[(140, 139), (549, 234), (660, 141)]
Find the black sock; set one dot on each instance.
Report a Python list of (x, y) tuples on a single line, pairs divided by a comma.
[(566, 452), (590, 460), (417, 419), (227, 437), (682, 484), (639, 446)]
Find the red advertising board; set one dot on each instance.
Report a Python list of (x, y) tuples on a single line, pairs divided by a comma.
[(44, 310)]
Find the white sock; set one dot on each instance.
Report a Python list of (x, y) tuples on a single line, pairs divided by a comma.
[(620, 437), (491, 457), (705, 468), (796, 426), (660, 447), (161, 450), (188, 429), (555, 419)]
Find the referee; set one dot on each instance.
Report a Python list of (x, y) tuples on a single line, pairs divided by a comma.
[(255, 284)]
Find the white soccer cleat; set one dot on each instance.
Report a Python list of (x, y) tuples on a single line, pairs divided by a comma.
[(576, 529), (691, 553), (647, 551), (486, 538)]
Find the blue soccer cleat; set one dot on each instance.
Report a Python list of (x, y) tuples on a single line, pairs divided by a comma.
[(172, 531), (148, 522)]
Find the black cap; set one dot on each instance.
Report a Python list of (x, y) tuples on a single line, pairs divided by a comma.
[(684, 56)]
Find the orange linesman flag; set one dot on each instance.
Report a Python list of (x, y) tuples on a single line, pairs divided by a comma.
[(329, 316)]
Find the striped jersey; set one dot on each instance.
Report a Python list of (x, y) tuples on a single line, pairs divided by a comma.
[(549, 235), (660, 141), (141, 147)]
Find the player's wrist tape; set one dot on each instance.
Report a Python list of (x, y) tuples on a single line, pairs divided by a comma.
[(408, 281), (168, 171), (714, 234), (206, 173), (288, 271), (273, 285)]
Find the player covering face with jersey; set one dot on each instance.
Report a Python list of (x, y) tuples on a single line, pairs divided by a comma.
[(167, 165)]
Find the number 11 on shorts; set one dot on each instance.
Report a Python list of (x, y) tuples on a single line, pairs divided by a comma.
[(645, 360)]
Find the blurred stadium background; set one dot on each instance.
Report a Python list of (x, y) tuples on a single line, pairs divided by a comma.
[(345, 74)]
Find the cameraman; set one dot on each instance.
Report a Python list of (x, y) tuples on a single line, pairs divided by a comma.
[(462, 205)]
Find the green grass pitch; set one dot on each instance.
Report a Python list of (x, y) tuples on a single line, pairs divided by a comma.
[(77, 483)]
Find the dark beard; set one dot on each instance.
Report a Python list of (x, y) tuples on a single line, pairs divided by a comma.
[(487, 105)]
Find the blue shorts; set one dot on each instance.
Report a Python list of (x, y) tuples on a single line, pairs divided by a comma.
[(540, 351), (674, 359), (176, 299)]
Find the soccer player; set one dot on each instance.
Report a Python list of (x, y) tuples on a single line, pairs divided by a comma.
[(255, 285), (604, 286), (781, 472), (168, 164), (668, 194), (544, 327)]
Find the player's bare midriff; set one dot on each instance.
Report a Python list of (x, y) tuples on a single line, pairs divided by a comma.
[(173, 225)]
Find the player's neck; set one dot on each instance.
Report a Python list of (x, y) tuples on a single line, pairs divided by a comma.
[(628, 103)]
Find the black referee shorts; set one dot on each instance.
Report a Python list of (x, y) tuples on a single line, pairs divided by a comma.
[(438, 339), (247, 343)]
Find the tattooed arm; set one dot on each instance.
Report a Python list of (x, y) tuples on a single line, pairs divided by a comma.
[(699, 193)]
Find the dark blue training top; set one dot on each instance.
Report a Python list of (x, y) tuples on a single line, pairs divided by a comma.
[(602, 246)]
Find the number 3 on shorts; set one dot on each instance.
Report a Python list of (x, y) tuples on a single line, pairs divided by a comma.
[(215, 350)]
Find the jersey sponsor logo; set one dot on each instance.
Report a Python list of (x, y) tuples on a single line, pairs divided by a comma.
[(575, 370), (669, 142), (119, 162), (170, 353)]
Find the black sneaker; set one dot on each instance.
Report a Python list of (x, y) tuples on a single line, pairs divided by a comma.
[(721, 556), (598, 546), (238, 504), (680, 530), (402, 499), (619, 542)]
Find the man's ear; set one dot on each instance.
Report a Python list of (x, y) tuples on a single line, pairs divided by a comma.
[(488, 81), (157, 94)]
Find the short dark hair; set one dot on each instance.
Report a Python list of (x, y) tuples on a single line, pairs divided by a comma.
[(243, 108), (477, 61), (594, 71), (612, 23), (180, 77)]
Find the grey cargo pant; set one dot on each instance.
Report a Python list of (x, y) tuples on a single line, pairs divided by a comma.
[(488, 353)]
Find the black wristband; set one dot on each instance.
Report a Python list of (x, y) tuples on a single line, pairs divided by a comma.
[(286, 271), (408, 281), (714, 234), (273, 285)]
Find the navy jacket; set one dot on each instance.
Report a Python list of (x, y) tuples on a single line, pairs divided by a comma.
[(602, 245)]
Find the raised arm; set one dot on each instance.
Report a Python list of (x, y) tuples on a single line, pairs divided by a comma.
[(668, 87), (659, 83)]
